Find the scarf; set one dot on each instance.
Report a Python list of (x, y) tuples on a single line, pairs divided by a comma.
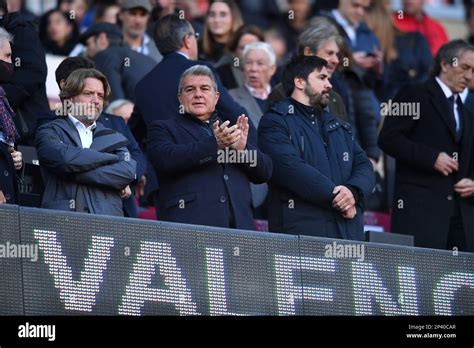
[(7, 126)]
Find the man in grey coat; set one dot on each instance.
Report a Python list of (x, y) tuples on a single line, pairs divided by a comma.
[(86, 166)]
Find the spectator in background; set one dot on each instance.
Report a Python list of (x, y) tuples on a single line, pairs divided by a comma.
[(223, 19), (413, 18), (19, 6), (81, 15), (259, 13), (10, 159), (229, 67), (407, 56), (259, 63), (295, 20), (433, 145), (58, 32), (26, 90), (363, 42), (107, 13), (134, 15), (122, 108), (122, 66), (259, 66), (275, 38), (313, 190), (86, 167), (198, 184)]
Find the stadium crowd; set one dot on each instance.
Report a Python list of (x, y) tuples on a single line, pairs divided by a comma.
[(302, 113)]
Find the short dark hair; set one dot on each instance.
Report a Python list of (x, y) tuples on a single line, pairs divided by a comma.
[(448, 53), (170, 32), (70, 64), (300, 66)]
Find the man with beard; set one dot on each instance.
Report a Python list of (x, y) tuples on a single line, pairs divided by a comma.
[(86, 166), (321, 175)]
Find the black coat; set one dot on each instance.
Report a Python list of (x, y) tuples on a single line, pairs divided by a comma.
[(306, 169), (194, 187), (424, 198), (26, 90), (124, 68), (8, 183)]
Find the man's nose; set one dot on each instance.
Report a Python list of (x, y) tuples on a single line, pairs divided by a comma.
[(328, 84)]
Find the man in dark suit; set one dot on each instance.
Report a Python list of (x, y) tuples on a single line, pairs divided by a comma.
[(432, 141), (205, 166), (122, 66), (156, 97)]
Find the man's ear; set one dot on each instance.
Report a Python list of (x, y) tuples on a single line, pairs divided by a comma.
[(187, 41), (444, 66), (300, 83), (61, 84)]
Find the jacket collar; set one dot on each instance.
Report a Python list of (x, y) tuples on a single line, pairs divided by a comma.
[(193, 125), (70, 129)]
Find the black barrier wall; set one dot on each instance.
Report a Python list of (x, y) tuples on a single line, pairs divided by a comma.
[(89, 264)]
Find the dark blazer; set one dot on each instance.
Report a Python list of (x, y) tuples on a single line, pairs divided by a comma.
[(156, 99), (307, 167), (122, 74), (424, 199), (26, 91), (194, 187)]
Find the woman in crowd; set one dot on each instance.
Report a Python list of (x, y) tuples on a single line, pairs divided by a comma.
[(407, 57), (229, 67), (222, 21), (58, 32), (10, 159)]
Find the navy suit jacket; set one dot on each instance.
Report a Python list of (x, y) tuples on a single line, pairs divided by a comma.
[(157, 99), (195, 187)]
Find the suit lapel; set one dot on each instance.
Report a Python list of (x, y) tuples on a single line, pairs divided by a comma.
[(441, 105), (190, 126)]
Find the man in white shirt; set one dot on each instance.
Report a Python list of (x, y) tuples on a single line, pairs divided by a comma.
[(86, 166)]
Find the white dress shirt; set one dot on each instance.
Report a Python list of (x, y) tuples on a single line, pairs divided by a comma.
[(85, 133)]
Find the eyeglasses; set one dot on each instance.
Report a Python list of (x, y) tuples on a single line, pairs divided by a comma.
[(196, 35)]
